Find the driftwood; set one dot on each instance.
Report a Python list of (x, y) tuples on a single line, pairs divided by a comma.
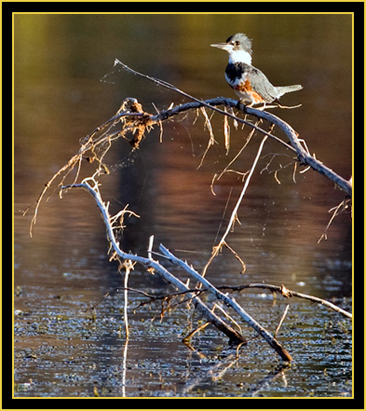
[(132, 123)]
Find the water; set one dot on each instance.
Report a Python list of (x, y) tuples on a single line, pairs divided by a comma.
[(65, 349)]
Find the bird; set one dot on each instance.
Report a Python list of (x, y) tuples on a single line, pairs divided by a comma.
[(248, 82)]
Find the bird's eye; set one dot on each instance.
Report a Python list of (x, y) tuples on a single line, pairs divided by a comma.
[(237, 43)]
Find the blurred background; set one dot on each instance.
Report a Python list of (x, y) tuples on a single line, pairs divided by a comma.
[(66, 85)]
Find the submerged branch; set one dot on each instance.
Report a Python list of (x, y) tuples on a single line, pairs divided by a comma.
[(288, 294), (229, 301), (93, 189)]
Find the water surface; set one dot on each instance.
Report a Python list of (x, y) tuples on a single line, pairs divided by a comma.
[(64, 349)]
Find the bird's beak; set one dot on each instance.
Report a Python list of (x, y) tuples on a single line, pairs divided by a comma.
[(222, 46)]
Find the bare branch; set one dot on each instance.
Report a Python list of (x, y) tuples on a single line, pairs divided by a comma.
[(302, 155), (234, 336), (284, 354), (288, 293)]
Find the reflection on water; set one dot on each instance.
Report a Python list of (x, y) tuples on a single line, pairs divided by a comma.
[(64, 270)]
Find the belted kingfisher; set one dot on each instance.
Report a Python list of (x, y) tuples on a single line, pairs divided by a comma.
[(249, 83)]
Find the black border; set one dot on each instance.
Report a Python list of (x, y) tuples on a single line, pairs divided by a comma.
[(358, 402)]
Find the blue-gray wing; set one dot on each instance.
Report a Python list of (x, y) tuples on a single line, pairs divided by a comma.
[(261, 85)]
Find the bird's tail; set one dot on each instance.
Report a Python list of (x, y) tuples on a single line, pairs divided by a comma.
[(287, 89)]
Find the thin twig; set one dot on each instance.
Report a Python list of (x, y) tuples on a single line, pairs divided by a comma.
[(234, 214), (281, 320), (343, 205), (288, 293)]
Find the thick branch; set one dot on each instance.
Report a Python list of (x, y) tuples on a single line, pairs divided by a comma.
[(304, 157), (234, 336), (229, 301)]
